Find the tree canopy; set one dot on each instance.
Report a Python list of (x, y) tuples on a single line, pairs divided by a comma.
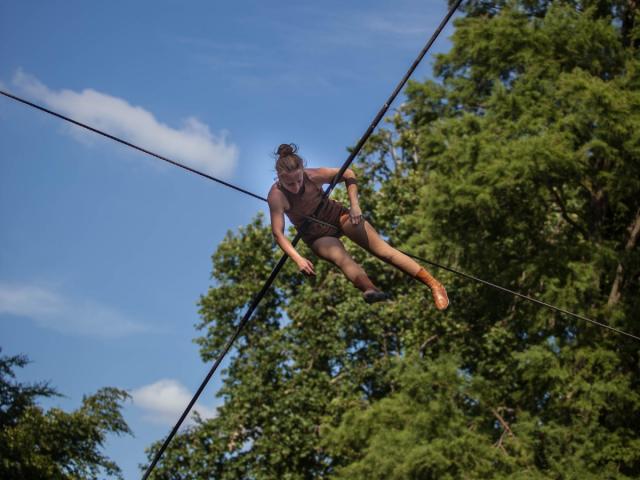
[(519, 163), (55, 445)]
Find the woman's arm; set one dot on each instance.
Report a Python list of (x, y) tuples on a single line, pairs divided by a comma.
[(276, 210)]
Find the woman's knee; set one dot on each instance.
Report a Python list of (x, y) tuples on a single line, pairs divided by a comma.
[(332, 250), (346, 262)]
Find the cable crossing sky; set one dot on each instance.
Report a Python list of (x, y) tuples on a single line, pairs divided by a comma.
[(310, 218), (258, 297)]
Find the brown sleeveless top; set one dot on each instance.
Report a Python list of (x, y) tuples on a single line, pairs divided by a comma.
[(305, 202)]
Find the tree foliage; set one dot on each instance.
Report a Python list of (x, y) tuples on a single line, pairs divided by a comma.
[(519, 164), (53, 444)]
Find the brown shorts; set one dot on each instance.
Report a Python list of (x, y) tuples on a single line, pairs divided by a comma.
[(317, 230)]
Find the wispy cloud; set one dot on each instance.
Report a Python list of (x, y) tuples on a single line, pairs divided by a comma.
[(164, 401), (193, 143), (310, 35), (386, 31), (387, 26), (49, 309)]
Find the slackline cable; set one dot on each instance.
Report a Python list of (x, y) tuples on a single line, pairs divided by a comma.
[(258, 297), (296, 239), (326, 194), (521, 295), (144, 150), (311, 218), (129, 144)]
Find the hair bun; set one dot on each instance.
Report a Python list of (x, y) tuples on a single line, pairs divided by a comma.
[(287, 149), (287, 159)]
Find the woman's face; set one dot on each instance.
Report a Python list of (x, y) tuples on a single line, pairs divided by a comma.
[(292, 181)]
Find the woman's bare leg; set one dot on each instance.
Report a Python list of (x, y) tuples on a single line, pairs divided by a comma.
[(367, 237), (332, 250)]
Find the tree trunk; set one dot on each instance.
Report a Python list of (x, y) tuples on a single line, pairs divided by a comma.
[(634, 233)]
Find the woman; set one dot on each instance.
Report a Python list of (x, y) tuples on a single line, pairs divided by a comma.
[(298, 192)]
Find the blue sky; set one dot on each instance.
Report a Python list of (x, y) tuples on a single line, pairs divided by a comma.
[(104, 252)]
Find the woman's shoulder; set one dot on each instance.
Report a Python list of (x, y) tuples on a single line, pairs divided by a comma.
[(274, 191), (276, 198), (321, 175)]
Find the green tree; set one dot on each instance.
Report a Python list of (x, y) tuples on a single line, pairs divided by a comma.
[(523, 166), (520, 164), (53, 444)]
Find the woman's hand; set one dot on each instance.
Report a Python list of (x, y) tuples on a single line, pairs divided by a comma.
[(305, 266), (355, 214)]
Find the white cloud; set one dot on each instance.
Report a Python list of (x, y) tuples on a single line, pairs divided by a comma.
[(193, 143), (50, 310), (165, 400)]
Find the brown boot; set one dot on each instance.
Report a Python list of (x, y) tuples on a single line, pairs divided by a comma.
[(440, 297), (437, 289)]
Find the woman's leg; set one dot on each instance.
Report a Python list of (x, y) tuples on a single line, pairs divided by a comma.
[(332, 250), (366, 236)]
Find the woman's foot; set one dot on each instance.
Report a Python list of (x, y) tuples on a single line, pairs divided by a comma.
[(440, 296), (437, 289), (373, 296)]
